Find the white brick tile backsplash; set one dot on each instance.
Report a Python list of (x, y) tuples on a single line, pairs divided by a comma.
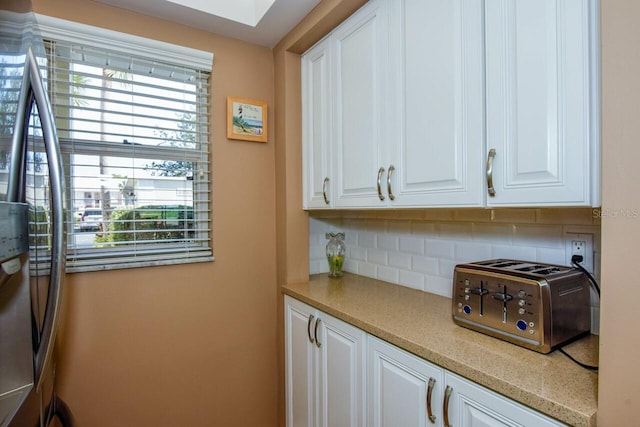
[(351, 238), (493, 233), (368, 270), (349, 265), (411, 245), (388, 242), (411, 279), (423, 229), (388, 274), (514, 252), (551, 256), (357, 253), (316, 226), (398, 227), (314, 239), (367, 239), (455, 230), (399, 260), (422, 253), (440, 249), (317, 252), (446, 267), (438, 285), (425, 265), (538, 236), (376, 256), (472, 251)]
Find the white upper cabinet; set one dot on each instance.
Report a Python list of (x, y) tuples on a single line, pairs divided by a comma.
[(541, 92), (316, 126), (437, 97), (419, 103), (360, 104)]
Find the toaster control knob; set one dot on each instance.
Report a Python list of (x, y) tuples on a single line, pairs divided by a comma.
[(466, 309), (467, 290), (522, 303), (522, 325), (521, 310), (522, 294), (467, 297)]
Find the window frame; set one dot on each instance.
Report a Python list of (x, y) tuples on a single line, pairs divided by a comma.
[(129, 256)]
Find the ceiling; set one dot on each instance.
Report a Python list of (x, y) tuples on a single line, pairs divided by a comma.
[(231, 18)]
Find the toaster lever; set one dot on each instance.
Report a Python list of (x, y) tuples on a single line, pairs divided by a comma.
[(504, 297), (479, 291)]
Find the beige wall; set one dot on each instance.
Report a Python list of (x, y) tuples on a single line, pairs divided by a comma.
[(190, 345), (619, 382), (292, 221)]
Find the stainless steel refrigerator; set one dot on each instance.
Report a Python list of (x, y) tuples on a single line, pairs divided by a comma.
[(32, 231)]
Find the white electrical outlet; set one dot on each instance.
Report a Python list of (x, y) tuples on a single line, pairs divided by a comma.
[(580, 244)]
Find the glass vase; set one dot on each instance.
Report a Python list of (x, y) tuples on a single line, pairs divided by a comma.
[(335, 253)]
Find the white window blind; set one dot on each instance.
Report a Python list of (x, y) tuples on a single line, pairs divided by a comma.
[(133, 122)]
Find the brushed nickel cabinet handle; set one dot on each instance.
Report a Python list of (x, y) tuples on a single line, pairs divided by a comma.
[(324, 190), (389, 191), (315, 333), (380, 172), (445, 406), (490, 157), (432, 383), (311, 317)]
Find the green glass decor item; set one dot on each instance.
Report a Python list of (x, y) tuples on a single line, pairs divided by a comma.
[(335, 253)]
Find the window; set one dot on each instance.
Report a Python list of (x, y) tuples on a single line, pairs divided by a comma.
[(132, 120)]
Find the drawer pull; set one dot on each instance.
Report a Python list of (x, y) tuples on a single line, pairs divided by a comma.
[(445, 406), (380, 172), (490, 157), (324, 190), (315, 333), (389, 173), (311, 317), (432, 383)]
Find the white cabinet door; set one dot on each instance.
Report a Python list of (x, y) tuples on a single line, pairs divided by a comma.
[(300, 356), (539, 87), (316, 126), (437, 98), (341, 373), (360, 63), (325, 369), (473, 406), (403, 389)]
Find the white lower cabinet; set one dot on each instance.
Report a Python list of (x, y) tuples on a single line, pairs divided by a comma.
[(325, 369), (470, 405), (402, 389), (339, 376)]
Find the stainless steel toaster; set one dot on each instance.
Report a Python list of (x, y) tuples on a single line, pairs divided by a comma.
[(537, 306)]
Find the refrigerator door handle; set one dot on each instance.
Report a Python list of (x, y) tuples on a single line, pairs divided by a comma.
[(33, 90)]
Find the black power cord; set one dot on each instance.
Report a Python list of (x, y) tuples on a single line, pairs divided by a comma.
[(584, 365), (575, 261)]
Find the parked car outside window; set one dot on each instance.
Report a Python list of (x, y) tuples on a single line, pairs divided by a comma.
[(91, 219)]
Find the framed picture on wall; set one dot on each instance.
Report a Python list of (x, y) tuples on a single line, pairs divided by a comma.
[(246, 119)]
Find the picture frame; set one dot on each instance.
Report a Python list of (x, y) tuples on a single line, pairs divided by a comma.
[(246, 119)]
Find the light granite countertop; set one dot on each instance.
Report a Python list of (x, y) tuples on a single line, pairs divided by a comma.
[(421, 323)]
